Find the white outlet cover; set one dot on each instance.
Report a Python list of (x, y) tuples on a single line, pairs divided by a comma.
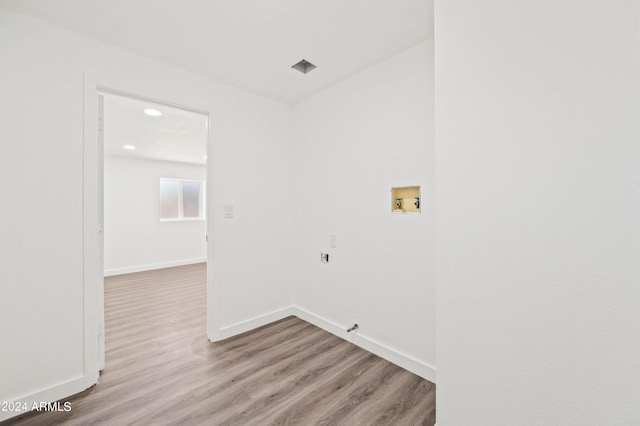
[(333, 240)]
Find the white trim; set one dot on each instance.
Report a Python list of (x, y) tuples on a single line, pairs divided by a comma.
[(405, 361), (92, 279), (93, 274), (100, 255), (152, 266), (213, 306), (183, 219), (250, 324), (54, 393)]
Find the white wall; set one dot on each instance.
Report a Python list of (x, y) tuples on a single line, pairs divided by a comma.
[(353, 142), (41, 167), (134, 238), (538, 210)]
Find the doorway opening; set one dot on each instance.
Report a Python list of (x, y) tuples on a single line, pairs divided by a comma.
[(152, 202)]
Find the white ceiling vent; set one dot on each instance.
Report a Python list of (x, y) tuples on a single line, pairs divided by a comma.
[(304, 66)]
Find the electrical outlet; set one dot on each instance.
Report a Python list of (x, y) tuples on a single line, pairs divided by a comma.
[(324, 257)]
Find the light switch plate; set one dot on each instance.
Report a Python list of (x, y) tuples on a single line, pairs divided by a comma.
[(228, 211), (333, 240)]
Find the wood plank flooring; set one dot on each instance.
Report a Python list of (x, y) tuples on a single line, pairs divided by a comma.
[(162, 370)]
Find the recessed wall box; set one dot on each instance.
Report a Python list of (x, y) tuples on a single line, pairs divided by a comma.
[(405, 199)]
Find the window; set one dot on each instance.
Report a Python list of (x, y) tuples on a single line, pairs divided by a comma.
[(181, 199)]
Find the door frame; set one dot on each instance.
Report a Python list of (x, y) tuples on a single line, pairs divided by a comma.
[(93, 208)]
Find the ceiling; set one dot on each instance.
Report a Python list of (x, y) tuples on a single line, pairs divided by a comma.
[(177, 135), (251, 44)]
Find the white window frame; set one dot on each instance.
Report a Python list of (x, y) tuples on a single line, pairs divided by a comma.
[(201, 199)]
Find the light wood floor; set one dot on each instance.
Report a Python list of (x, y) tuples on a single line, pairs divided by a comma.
[(162, 370)]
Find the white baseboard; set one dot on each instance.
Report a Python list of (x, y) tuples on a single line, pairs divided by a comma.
[(152, 266), (250, 324), (51, 394), (405, 361), (79, 384)]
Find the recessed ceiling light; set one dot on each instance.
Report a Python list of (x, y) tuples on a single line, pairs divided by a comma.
[(152, 112), (304, 66), (129, 147), (204, 156)]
